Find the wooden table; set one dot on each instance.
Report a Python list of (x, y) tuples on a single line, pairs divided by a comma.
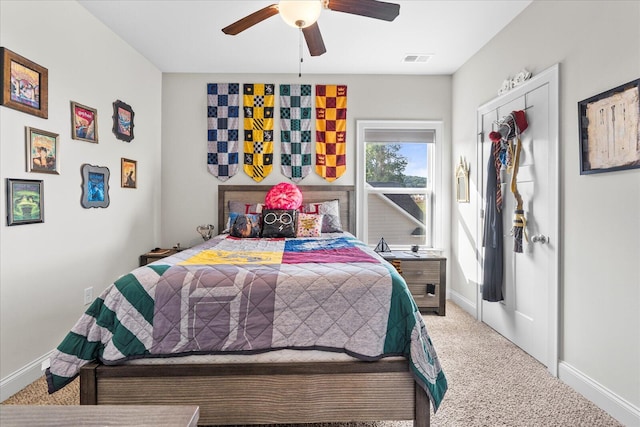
[(99, 415), (156, 255)]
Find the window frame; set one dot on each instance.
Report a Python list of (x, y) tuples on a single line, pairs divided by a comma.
[(434, 190)]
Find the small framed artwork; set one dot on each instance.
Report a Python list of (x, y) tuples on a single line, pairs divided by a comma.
[(24, 84), (128, 173), (610, 130), (123, 121), (43, 151), (84, 123), (462, 181), (25, 201), (95, 186)]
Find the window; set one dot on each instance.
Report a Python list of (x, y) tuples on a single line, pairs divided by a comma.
[(398, 183)]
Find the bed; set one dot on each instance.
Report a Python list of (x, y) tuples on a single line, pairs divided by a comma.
[(302, 373)]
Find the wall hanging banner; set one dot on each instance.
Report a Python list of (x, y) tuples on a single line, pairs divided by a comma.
[(331, 131), (258, 129), (295, 131), (223, 107)]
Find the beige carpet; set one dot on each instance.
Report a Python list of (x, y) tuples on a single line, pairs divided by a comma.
[(491, 383)]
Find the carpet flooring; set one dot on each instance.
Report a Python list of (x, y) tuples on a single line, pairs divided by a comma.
[(491, 383)]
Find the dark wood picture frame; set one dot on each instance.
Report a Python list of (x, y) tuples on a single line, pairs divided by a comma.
[(43, 151), (95, 186), (128, 173), (610, 130), (24, 84), (84, 123), (25, 201), (123, 121)]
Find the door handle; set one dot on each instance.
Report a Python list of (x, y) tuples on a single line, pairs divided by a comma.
[(539, 238)]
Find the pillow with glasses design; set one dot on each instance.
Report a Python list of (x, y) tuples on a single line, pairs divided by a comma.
[(279, 222)]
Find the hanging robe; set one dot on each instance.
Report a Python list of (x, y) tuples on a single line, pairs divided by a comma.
[(493, 237)]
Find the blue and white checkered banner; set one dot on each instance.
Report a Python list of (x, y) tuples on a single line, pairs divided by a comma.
[(223, 108)]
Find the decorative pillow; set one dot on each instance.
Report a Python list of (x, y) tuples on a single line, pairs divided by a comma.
[(283, 196), (244, 225), (309, 225), (241, 208), (279, 222), (331, 215)]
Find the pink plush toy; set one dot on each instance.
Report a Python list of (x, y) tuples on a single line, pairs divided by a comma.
[(283, 196)]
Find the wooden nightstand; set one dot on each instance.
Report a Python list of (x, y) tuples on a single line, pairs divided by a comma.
[(426, 276), (155, 255)]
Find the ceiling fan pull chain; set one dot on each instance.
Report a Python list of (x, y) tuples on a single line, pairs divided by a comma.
[(300, 52)]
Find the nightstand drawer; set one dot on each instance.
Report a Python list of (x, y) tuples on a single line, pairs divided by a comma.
[(421, 271), (424, 299)]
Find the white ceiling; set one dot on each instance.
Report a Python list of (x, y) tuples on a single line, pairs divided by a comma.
[(184, 36)]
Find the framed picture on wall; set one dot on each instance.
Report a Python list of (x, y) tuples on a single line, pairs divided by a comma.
[(43, 151), (128, 173), (610, 130), (24, 84), (25, 201), (95, 186), (123, 121), (84, 123)]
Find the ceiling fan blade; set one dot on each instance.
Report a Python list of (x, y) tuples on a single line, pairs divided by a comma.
[(251, 20), (369, 8), (314, 40)]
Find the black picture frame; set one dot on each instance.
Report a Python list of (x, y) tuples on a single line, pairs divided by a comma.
[(123, 123), (25, 201), (609, 127), (95, 186)]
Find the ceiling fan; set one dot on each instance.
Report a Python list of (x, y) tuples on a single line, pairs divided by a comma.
[(304, 14)]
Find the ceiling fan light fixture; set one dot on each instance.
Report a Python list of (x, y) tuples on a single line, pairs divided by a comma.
[(300, 13)]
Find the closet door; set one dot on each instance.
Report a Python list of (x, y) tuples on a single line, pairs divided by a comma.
[(528, 314)]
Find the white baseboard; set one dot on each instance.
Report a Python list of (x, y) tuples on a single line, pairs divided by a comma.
[(13, 383), (614, 405), (463, 303)]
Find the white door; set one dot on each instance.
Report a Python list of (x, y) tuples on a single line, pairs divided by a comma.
[(528, 314)]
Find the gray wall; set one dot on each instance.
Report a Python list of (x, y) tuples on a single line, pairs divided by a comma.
[(600, 224), (44, 268), (189, 195)]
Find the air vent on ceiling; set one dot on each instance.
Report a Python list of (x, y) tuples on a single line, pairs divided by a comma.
[(416, 58)]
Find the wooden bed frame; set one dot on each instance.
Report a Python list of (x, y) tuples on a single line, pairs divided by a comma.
[(268, 393)]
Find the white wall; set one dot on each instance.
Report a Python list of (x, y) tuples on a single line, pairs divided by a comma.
[(597, 44), (189, 195), (45, 267)]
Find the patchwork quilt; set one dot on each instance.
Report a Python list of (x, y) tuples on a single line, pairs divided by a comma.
[(254, 295)]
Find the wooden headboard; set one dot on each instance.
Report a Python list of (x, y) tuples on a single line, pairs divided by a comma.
[(346, 195)]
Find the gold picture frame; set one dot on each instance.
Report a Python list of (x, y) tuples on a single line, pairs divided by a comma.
[(43, 151), (24, 84), (128, 173), (462, 181), (84, 123)]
